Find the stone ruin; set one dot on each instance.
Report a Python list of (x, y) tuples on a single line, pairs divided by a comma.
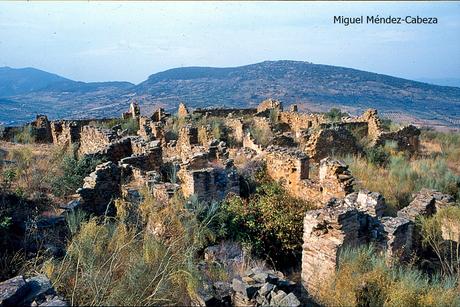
[(204, 168), (199, 165), (134, 111), (358, 219)]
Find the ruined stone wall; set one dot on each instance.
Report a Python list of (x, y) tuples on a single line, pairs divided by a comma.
[(188, 137), (134, 111), (146, 156), (287, 166), (182, 111), (100, 189), (269, 104), (358, 219), (209, 184), (150, 130), (249, 142), (406, 138), (237, 128), (224, 112), (94, 139), (329, 142), (65, 132), (373, 122), (42, 129), (326, 232), (299, 121), (104, 144), (335, 178)]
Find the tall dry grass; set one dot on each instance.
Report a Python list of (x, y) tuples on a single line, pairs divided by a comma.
[(364, 278)]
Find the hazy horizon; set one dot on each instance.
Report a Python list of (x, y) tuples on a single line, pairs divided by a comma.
[(119, 41)]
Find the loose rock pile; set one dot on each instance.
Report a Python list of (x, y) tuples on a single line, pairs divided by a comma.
[(34, 291), (258, 287)]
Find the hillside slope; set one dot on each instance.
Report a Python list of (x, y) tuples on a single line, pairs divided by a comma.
[(314, 87), (319, 87)]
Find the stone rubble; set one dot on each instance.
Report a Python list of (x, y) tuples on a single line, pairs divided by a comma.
[(34, 291)]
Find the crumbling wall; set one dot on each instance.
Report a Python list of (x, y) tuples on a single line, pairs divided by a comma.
[(287, 166), (65, 132), (406, 138), (335, 178), (326, 232), (329, 142), (159, 115), (249, 142), (188, 137), (358, 219), (222, 112), (237, 129), (269, 104), (182, 111), (94, 139), (374, 123), (146, 156), (134, 111), (100, 189), (150, 130), (42, 129), (104, 144), (210, 184), (299, 121)]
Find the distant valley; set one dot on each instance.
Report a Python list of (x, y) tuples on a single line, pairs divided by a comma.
[(26, 92)]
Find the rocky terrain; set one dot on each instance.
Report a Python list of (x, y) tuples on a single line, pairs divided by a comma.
[(225, 207), (313, 87)]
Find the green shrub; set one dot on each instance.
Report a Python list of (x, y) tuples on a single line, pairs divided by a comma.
[(73, 172), (26, 135), (335, 114), (270, 221), (131, 125), (261, 136), (377, 156)]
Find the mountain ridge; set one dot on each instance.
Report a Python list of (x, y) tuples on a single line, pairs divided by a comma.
[(317, 87)]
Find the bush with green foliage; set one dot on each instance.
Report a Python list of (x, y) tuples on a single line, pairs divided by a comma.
[(74, 170), (26, 135), (335, 114), (270, 221)]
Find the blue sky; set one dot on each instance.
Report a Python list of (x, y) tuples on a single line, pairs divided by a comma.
[(103, 41)]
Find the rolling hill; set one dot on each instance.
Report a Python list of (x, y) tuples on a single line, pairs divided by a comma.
[(314, 87)]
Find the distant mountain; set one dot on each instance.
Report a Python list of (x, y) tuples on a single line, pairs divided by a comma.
[(319, 87), (26, 92), (441, 81), (313, 87), (26, 80)]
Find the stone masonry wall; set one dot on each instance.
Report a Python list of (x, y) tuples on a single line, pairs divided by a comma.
[(287, 166), (237, 128), (358, 219), (298, 121), (94, 139), (100, 188), (330, 141), (42, 129), (335, 178), (65, 132)]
